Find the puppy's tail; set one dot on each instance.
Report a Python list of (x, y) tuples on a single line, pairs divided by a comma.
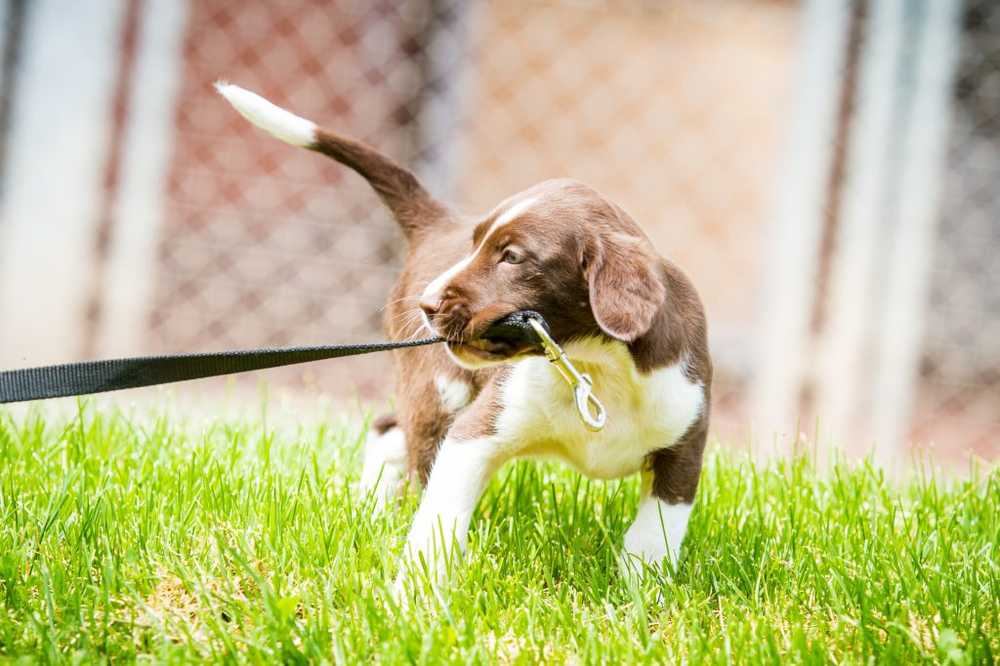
[(413, 207)]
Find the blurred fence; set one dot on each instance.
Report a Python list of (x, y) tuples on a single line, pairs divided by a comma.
[(959, 398), (202, 233), (266, 244)]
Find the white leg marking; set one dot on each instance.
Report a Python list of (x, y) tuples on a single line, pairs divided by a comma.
[(384, 467), (433, 290), (454, 393), (657, 532), (459, 475), (280, 123)]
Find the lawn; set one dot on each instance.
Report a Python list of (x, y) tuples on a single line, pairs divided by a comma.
[(171, 540)]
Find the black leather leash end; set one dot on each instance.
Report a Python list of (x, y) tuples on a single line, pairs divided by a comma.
[(516, 327)]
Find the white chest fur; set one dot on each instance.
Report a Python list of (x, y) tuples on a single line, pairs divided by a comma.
[(645, 411)]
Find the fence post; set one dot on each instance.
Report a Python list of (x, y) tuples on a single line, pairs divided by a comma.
[(57, 148), (843, 380), (916, 214), (789, 273), (139, 212)]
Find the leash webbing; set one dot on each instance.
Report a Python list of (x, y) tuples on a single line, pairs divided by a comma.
[(57, 381)]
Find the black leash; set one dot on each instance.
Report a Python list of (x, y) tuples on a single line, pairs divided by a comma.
[(60, 381), (57, 381)]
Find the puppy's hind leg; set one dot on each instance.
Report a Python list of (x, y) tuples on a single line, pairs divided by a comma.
[(384, 470)]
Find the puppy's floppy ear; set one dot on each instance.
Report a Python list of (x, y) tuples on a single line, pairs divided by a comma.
[(626, 290)]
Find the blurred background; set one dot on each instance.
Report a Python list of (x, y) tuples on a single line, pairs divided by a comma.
[(828, 173)]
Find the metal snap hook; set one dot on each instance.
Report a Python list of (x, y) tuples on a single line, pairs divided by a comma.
[(585, 399), (580, 382)]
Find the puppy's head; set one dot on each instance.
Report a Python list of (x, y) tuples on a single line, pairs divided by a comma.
[(560, 249)]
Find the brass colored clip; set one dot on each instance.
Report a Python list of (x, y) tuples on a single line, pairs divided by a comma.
[(579, 381)]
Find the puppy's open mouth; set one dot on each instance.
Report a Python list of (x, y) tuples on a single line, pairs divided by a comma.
[(486, 349), (500, 340)]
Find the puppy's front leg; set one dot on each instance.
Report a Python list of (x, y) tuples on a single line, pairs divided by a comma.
[(469, 456), (459, 476), (668, 492), (657, 532)]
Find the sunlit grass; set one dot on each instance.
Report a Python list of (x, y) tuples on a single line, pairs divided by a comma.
[(152, 538)]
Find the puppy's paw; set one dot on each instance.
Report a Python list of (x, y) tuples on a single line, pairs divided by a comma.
[(635, 557), (639, 573), (414, 585), (401, 591), (654, 539), (634, 567), (383, 477), (644, 561)]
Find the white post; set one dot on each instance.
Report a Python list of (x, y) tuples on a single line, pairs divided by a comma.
[(139, 210), (844, 382), (789, 280), (917, 211), (439, 121), (58, 147), (4, 35)]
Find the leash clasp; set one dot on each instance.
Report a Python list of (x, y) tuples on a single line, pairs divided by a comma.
[(589, 408)]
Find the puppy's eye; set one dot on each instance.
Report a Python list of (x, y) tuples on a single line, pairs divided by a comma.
[(512, 256)]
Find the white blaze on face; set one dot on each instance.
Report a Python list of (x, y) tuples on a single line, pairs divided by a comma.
[(432, 294)]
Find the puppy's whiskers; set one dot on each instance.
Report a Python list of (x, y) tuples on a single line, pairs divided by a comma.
[(418, 330), (411, 326), (404, 299)]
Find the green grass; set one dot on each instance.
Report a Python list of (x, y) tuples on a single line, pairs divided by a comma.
[(157, 539)]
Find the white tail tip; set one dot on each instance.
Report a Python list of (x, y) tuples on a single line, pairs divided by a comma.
[(278, 122)]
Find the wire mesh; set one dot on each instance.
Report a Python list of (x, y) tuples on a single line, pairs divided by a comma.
[(959, 396), (678, 111)]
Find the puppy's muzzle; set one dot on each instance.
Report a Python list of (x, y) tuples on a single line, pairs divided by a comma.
[(508, 336), (501, 339)]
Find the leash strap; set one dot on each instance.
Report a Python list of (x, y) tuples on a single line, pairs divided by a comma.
[(57, 381)]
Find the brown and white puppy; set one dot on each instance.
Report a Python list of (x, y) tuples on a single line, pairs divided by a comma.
[(629, 318)]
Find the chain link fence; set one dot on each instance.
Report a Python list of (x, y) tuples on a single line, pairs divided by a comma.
[(959, 398), (265, 244), (679, 111)]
